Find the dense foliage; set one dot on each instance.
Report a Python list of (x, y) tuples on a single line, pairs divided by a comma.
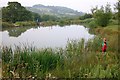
[(36, 17), (85, 16), (15, 12), (117, 8), (102, 15), (74, 61)]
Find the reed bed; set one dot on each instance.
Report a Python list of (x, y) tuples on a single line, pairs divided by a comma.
[(77, 60)]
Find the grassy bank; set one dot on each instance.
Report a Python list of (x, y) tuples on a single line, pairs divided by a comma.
[(111, 33), (18, 24), (6, 25), (46, 23), (65, 22), (75, 61), (26, 23)]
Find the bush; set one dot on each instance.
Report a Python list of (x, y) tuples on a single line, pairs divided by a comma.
[(113, 22), (103, 15), (88, 20), (92, 24), (85, 16)]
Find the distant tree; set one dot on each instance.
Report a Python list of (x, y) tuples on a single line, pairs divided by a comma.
[(117, 6), (37, 17), (102, 15), (0, 13), (15, 12), (49, 18), (117, 9), (85, 16), (45, 17)]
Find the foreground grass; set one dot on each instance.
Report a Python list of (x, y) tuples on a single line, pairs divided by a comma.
[(77, 60)]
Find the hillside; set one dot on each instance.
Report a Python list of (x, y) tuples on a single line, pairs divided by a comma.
[(54, 10)]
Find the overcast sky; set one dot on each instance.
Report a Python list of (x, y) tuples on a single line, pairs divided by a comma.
[(79, 5)]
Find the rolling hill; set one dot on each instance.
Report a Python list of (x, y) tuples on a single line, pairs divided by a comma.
[(54, 10)]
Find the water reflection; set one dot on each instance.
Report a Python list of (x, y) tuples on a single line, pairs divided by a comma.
[(42, 37), (17, 31)]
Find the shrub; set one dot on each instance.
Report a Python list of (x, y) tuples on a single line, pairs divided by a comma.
[(92, 24), (103, 15)]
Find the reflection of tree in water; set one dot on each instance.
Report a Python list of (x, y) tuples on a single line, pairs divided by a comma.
[(17, 31)]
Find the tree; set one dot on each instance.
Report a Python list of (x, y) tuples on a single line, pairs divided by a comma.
[(85, 16), (37, 17), (117, 8), (49, 18), (15, 12), (102, 15)]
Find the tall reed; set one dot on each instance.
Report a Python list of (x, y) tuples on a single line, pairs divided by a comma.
[(79, 59)]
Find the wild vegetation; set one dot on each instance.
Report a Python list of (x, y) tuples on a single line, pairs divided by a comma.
[(102, 15), (77, 60), (15, 12)]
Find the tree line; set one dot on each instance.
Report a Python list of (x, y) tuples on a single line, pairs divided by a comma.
[(16, 12), (103, 15)]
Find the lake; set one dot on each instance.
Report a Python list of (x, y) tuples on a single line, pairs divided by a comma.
[(43, 37)]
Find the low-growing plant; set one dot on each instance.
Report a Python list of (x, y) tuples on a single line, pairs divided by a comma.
[(26, 23), (7, 24)]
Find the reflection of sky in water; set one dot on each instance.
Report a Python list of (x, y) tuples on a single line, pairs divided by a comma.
[(47, 36)]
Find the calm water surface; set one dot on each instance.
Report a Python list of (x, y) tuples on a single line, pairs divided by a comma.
[(42, 37)]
